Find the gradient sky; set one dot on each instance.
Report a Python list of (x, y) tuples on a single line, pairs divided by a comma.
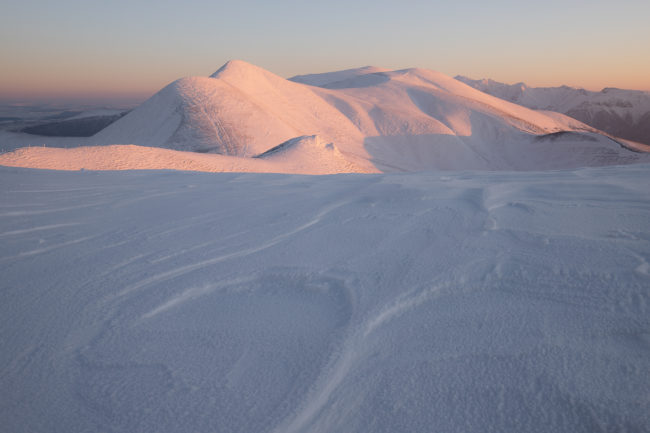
[(121, 49)]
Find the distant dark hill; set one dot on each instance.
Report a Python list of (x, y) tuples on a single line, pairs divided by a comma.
[(83, 127)]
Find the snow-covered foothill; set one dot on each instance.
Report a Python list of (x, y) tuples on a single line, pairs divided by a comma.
[(302, 155)]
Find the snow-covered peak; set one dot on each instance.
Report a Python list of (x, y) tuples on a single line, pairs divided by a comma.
[(244, 75), (237, 67)]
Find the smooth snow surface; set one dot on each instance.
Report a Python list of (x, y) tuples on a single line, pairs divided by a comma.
[(165, 301), (375, 121)]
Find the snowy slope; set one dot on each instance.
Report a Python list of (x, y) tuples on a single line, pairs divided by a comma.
[(622, 113), (452, 302)]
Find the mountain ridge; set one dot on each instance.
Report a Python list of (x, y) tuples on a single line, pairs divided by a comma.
[(619, 112), (377, 120)]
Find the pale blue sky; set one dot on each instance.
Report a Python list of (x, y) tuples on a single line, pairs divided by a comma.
[(54, 48)]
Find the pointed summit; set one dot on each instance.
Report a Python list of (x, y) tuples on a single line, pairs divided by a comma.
[(240, 73), (236, 67), (249, 78)]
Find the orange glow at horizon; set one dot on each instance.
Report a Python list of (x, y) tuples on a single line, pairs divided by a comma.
[(72, 48), (124, 83), (79, 85)]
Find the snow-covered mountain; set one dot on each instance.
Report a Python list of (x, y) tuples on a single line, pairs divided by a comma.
[(622, 113), (362, 120), (403, 120)]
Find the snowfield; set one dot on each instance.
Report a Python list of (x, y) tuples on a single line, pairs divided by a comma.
[(162, 301)]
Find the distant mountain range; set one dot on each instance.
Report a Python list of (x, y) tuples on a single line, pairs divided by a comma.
[(359, 120), (622, 113)]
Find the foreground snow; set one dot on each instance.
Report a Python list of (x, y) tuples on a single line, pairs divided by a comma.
[(169, 301)]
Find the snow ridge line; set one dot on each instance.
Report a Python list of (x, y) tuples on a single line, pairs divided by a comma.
[(350, 350), (193, 293), (46, 211), (37, 229), (48, 248), (163, 276)]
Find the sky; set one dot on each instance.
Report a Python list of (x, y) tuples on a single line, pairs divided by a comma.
[(122, 50)]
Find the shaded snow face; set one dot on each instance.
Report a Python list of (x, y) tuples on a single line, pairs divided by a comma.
[(163, 301), (622, 113)]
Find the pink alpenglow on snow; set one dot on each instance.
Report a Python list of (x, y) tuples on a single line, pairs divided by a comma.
[(361, 120)]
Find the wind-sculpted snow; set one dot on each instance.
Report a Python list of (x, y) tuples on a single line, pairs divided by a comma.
[(159, 301)]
